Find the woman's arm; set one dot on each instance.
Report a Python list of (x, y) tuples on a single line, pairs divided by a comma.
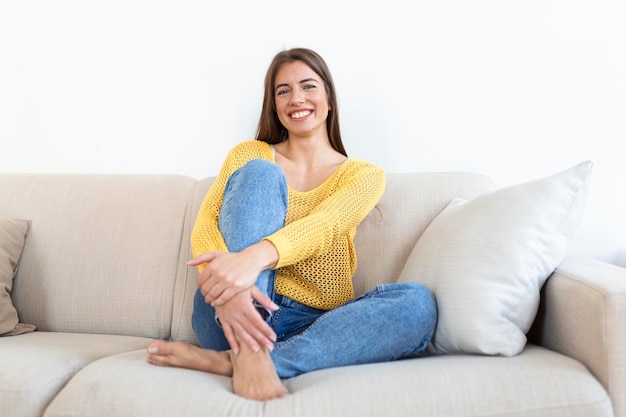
[(228, 273), (355, 194)]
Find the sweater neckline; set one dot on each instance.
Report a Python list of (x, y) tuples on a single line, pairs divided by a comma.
[(322, 185)]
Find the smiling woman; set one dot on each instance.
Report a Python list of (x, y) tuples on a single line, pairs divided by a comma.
[(273, 243)]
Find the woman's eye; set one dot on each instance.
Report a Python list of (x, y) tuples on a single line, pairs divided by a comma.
[(309, 86), (282, 92)]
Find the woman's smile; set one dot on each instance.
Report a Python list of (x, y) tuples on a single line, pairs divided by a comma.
[(300, 114)]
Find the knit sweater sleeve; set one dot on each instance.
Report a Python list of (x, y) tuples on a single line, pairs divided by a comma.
[(353, 193), (206, 236)]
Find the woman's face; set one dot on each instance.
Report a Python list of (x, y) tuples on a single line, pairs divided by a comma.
[(301, 100)]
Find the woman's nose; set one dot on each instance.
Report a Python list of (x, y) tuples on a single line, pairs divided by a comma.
[(297, 97)]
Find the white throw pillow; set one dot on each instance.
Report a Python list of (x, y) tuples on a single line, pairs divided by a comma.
[(12, 238), (486, 260)]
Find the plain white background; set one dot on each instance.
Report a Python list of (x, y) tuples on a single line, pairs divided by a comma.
[(516, 90)]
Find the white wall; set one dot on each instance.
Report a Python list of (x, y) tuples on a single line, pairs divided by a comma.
[(513, 89)]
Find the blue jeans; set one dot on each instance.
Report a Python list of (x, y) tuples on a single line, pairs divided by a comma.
[(390, 322)]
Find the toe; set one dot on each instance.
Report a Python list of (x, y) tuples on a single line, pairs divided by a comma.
[(157, 347)]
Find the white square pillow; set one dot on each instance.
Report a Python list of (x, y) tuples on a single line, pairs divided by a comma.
[(486, 260)]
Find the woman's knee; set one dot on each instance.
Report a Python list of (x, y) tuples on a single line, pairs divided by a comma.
[(256, 169), (255, 204), (423, 312), (421, 300), (258, 181)]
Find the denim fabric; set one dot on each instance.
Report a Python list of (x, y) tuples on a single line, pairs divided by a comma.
[(255, 205), (390, 322)]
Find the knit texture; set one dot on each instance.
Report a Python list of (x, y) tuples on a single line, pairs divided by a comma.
[(315, 248)]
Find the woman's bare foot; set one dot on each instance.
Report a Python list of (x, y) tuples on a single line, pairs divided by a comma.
[(184, 355), (254, 375)]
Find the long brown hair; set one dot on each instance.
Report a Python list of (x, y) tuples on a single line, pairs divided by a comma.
[(270, 129)]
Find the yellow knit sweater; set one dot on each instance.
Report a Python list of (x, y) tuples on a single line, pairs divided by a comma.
[(315, 248)]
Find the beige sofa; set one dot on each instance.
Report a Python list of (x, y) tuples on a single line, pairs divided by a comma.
[(103, 273)]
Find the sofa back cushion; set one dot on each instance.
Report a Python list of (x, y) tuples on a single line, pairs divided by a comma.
[(102, 253), (386, 237), (384, 240)]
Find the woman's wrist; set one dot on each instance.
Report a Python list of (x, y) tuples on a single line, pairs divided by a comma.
[(265, 252)]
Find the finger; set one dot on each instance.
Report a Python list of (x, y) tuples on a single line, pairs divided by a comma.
[(261, 330), (217, 291), (204, 290), (243, 336), (208, 300), (230, 336), (222, 294), (252, 330), (262, 298), (211, 289), (201, 259), (203, 277)]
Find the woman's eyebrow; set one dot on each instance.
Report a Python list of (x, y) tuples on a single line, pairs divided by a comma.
[(306, 80)]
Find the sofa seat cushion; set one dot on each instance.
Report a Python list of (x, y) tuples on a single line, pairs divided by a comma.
[(538, 382), (35, 366)]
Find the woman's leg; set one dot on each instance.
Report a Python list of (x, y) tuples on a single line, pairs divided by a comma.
[(388, 323), (255, 204)]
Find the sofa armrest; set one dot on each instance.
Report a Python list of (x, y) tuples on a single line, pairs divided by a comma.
[(583, 315)]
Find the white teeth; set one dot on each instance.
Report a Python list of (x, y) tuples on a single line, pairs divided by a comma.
[(300, 114)]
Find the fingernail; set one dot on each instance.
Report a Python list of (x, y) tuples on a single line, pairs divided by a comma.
[(153, 349)]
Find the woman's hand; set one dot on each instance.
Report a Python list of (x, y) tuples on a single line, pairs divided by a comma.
[(228, 273), (242, 322), (225, 275)]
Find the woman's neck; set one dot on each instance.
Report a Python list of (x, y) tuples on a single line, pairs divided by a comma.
[(307, 164)]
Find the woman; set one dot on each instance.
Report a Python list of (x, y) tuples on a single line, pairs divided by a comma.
[(273, 243)]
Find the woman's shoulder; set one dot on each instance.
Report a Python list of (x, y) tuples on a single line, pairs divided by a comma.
[(355, 170), (360, 165), (251, 145), (251, 149)]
